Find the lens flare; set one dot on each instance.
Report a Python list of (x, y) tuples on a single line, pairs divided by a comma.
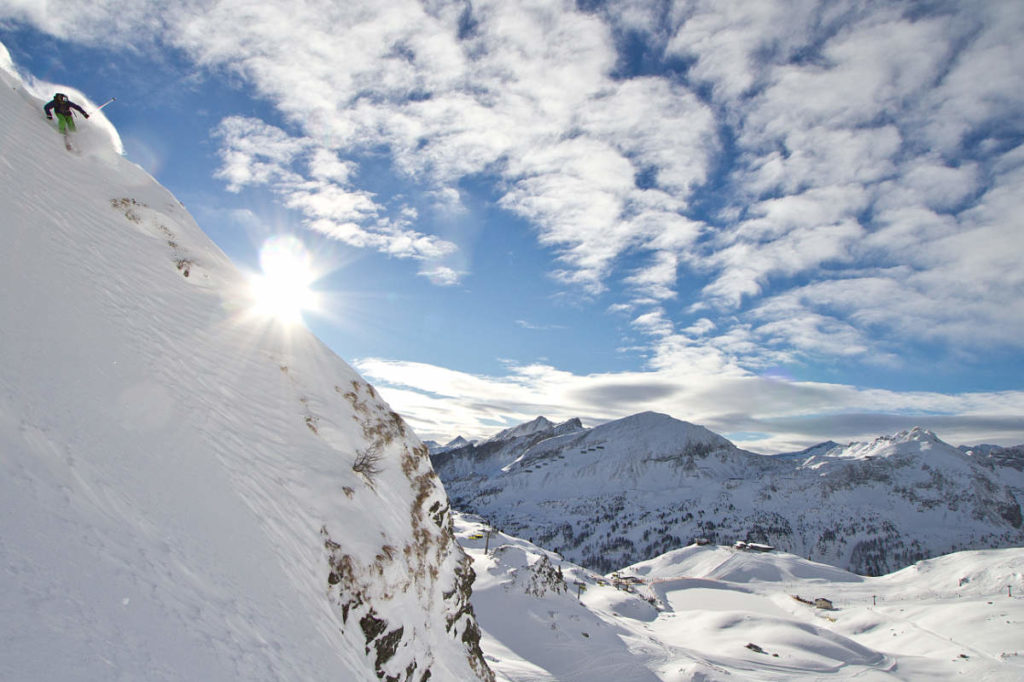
[(284, 289)]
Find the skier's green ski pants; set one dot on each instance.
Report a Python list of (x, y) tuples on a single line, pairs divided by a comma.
[(65, 123)]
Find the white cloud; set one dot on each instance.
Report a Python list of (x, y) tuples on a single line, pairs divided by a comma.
[(819, 96), (730, 40), (525, 324), (657, 125), (701, 327), (845, 125), (653, 323), (325, 165), (657, 279), (93, 22), (441, 275), (328, 201), (442, 403), (315, 182), (747, 265), (848, 219), (983, 84), (255, 153), (787, 322)]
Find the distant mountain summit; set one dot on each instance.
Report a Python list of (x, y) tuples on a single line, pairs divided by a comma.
[(540, 425), (503, 448), (435, 448), (631, 489), (995, 455)]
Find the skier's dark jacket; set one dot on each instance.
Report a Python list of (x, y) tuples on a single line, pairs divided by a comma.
[(62, 105)]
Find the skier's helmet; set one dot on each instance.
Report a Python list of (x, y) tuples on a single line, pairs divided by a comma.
[(60, 96)]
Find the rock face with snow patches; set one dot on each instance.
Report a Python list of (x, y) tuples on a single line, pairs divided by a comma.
[(188, 492), (634, 488)]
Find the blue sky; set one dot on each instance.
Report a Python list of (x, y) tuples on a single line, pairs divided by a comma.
[(787, 221)]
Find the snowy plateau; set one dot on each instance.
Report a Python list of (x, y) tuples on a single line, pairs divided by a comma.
[(190, 493)]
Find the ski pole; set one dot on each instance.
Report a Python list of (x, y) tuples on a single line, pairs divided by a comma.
[(104, 104)]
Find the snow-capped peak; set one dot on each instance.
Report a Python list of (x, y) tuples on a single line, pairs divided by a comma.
[(436, 448), (525, 429), (536, 426), (659, 430), (910, 443), (457, 442), (918, 434)]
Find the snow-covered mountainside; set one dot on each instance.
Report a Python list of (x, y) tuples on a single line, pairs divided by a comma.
[(718, 613), (189, 492), (998, 456), (637, 487), (479, 461)]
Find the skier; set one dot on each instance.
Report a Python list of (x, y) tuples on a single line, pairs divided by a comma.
[(65, 121)]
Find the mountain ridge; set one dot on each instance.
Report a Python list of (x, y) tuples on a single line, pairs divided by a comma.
[(633, 488)]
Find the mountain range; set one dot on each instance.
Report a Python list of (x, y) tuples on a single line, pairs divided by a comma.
[(634, 488)]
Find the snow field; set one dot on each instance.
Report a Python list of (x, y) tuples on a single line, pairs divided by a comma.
[(918, 623)]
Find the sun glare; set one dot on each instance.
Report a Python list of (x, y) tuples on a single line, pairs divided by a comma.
[(284, 289)]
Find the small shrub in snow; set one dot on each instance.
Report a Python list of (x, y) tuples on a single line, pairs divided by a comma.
[(367, 462)]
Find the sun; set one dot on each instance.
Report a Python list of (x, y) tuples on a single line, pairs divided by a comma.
[(283, 290)]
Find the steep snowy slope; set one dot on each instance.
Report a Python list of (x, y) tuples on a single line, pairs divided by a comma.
[(188, 491), (637, 487)]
